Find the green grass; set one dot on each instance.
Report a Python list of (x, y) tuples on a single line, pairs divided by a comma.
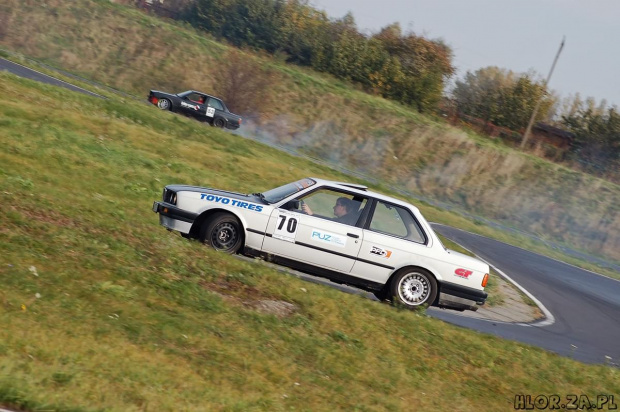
[(102, 309)]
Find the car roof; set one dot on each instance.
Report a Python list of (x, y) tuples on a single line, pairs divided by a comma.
[(362, 190), (205, 94)]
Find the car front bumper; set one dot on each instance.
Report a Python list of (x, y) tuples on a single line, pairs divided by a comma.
[(173, 218)]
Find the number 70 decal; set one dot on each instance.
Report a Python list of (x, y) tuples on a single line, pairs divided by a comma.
[(286, 227)]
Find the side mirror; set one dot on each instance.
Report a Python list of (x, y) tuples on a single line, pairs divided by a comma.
[(293, 204)]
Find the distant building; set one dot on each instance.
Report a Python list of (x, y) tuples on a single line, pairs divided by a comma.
[(553, 136)]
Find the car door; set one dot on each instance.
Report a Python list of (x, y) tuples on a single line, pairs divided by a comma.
[(319, 238), (392, 238), (191, 105), (214, 106)]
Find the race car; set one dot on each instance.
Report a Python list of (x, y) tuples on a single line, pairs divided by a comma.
[(340, 231), (199, 105)]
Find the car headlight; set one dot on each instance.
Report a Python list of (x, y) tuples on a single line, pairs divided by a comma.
[(170, 196)]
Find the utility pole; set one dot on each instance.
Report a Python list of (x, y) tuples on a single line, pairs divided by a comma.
[(526, 135)]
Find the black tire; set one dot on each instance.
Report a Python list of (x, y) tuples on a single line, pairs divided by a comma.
[(164, 104), (222, 232), (219, 122), (382, 294), (414, 287)]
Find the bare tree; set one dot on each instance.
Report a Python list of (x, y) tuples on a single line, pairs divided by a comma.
[(244, 84)]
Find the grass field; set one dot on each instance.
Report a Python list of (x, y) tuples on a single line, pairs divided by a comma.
[(102, 309)]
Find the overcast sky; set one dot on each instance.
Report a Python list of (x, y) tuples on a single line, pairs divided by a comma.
[(518, 35)]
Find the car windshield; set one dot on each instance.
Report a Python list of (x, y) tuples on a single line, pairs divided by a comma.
[(279, 193)]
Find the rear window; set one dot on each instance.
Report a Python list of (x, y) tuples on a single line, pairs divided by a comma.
[(396, 221), (216, 103)]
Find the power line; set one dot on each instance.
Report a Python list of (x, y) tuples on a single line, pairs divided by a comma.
[(526, 135)]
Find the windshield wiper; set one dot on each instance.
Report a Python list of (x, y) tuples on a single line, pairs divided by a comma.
[(261, 196)]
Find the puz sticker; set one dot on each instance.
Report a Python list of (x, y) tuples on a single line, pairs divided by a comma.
[(331, 238)]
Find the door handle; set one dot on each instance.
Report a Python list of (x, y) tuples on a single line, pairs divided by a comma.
[(353, 235)]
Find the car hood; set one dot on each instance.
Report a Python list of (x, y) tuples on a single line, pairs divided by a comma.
[(232, 195)]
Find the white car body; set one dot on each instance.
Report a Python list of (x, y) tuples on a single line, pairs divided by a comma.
[(358, 253)]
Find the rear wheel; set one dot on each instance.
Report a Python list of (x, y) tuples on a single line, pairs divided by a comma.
[(219, 122), (222, 232), (164, 104), (414, 287)]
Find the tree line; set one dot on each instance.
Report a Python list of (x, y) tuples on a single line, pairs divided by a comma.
[(407, 68), (507, 99), (400, 66)]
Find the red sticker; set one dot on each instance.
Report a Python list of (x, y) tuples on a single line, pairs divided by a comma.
[(463, 273)]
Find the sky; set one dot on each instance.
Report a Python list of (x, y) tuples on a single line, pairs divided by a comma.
[(518, 35)]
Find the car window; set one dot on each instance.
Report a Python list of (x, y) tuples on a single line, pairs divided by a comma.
[(397, 221), (195, 97), (336, 206), (216, 103)]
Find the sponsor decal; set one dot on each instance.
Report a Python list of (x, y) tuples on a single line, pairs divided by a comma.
[(330, 238), (463, 273), (190, 106), (384, 253), (232, 202), (286, 226)]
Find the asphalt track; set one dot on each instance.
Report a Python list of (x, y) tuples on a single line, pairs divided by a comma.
[(22, 71), (585, 306), (582, 308)]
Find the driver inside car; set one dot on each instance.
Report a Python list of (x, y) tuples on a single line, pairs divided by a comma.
[(343, 210)]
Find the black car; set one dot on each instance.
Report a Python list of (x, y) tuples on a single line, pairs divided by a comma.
[(200, 105)]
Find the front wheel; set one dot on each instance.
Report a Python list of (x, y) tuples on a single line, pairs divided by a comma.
[(222, 232), (414, 287)]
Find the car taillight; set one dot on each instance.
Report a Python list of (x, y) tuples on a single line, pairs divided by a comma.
[(154, 100), (240, 120), (485, 279)]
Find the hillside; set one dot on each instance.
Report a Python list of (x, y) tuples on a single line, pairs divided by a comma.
[(328, 119), (102, 309), (313, 113)]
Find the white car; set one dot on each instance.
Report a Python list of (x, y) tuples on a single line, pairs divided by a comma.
[(340, 231)]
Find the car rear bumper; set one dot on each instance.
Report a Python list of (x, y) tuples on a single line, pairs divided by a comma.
[(460, 297)]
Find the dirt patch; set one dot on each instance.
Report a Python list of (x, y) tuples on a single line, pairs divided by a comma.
[(278, 308), (513, 308), (45, 216), (250, 297)]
